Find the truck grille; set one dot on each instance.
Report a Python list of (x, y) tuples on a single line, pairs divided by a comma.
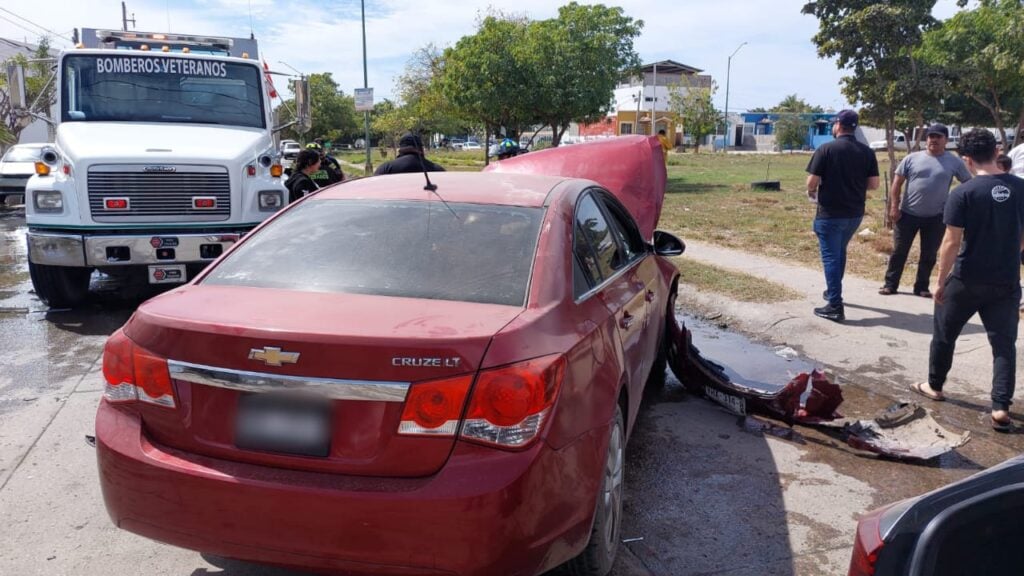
[(159, 193)]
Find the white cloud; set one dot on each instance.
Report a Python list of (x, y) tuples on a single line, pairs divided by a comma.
[(316, 36)]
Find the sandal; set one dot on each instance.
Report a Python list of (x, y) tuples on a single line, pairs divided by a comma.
[(886, 291), (1001, 425), (919, 389), (923, 293)]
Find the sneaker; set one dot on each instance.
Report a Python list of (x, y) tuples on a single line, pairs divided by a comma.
[(830, 312), (886, 291)]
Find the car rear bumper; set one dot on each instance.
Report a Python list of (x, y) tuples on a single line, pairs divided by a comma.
[(486, 512)]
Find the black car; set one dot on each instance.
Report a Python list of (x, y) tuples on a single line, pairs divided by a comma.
[(969, 527)]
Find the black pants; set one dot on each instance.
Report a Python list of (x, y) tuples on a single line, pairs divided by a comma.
[(903, 234), (997, 305)]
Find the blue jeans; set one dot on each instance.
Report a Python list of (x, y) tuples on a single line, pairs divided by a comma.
[(833, 236)]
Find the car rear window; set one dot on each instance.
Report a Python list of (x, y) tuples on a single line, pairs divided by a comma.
[(464, 252)]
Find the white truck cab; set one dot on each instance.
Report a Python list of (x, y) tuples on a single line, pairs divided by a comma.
[(164, 156)]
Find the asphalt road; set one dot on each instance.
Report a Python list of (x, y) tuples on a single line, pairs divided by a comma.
[(706, 492)]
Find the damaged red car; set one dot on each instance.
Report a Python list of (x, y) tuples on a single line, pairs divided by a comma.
[(388, 379)]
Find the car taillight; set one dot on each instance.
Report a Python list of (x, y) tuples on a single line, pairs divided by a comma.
[(510, 404), (134, 374), (867, 544), (433, 408)]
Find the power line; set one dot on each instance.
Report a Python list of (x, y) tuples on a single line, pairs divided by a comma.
[(47, 30)]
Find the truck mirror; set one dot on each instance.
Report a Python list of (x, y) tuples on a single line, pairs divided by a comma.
[(303, 115), (16, 86)]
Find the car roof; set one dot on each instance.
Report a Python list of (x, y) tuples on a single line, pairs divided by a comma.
[(470, 187)]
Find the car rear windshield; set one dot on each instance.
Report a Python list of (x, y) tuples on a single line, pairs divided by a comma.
[(464, 252)]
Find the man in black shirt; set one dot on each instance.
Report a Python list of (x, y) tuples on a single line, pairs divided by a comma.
[(410, 158), (839, 175), (979, 271)]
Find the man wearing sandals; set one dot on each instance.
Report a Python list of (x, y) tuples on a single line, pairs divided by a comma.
[(979, 272), (927, 174)]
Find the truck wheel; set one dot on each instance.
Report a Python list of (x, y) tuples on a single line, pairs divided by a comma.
[(60, 286), (599, 555)]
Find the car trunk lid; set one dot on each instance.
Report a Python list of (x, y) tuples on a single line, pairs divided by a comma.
[(232, 350)]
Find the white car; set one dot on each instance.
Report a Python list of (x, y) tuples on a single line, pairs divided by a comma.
[(472, 146), (290, 149), (16, 167), (899, 142)]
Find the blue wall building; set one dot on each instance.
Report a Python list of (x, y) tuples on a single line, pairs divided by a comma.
[(819, 129)]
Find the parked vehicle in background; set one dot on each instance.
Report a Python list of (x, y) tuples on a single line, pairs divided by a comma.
[(463, 378), (156, 186), (17, 165), (968, 527), (899, 142), (472, 146), (290, 149)]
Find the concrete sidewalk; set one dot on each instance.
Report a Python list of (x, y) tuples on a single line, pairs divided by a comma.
[(884, 338)]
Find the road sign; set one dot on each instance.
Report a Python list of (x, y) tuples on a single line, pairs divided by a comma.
[(364, 99)]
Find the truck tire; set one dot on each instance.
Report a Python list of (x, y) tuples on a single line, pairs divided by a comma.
[(60, 286)]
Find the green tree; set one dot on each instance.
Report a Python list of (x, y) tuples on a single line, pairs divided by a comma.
[(983, 51), (577, 59), (793, 104), (693, 108), (425, 108), (874, 41), (39, 86), (333, 112), (791, 131)]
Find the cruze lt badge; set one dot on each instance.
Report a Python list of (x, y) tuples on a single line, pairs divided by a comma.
[(272, 356), (411, 362)]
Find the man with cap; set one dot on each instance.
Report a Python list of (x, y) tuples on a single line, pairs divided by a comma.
[(410, 158), (839, 175), (928, 175)]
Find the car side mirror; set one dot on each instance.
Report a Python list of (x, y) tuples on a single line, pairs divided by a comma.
[(666, 244)]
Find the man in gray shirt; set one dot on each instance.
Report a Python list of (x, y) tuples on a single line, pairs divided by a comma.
[(928, 175)]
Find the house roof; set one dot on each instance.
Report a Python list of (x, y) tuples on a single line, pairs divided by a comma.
[(670, 67)]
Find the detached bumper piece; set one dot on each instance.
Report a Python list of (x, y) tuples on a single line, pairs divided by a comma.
[(903, 431)]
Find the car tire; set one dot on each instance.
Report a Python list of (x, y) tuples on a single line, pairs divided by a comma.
[(598, 557), (60, 286), (667, 348)]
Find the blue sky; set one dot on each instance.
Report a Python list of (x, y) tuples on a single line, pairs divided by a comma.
[(325, 36)]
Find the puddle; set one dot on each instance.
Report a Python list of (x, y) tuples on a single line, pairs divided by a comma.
[(746, 362)]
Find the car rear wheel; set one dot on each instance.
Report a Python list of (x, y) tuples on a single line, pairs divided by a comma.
[(60, 286), (668, 349), (599, 555)]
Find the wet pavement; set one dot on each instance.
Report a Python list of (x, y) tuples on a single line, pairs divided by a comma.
[(707, 492)]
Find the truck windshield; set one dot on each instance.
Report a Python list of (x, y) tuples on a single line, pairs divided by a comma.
[(134, 88)]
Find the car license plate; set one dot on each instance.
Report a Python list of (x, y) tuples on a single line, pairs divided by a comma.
[(274, 423), (167, 274)]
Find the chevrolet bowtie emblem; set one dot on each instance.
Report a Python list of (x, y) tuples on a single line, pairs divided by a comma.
[(272, 356)]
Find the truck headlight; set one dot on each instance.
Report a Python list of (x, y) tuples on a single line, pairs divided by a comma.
[(48, 201), (271, 200)]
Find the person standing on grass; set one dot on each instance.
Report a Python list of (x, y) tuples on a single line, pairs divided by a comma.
[(410, 158), (979, 272), (665, 144), (839, 175), (927, 174)]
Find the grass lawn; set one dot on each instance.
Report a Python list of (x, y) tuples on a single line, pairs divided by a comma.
[(709, 198), (735, 285)]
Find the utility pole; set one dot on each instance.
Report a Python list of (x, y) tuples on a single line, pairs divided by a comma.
[(728, 70), (125, 19), (366, 84), (654, 101)]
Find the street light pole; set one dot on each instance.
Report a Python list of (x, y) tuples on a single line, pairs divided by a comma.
[(366, 84), (728, 72)]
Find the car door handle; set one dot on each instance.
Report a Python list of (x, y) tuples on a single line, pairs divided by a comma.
[(627, 320), (649, 296)]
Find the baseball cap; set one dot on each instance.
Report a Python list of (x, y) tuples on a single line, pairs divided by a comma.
[(939, 129), (847, 118)]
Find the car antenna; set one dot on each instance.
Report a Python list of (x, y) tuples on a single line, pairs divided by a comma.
[(433, 187)]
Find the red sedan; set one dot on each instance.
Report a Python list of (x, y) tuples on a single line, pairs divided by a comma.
[(384, 379)]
